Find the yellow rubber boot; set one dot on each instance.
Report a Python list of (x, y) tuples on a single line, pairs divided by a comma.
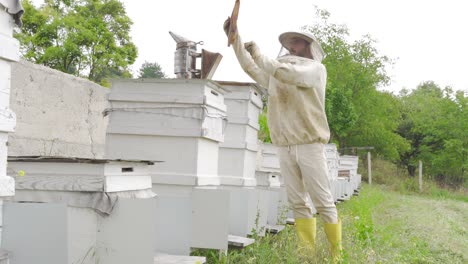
[(306, 231), (333, 232)]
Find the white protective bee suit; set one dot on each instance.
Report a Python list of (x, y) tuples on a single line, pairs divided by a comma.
[(297, 121)]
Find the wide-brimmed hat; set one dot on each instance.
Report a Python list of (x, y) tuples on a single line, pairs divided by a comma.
[(316, 48)]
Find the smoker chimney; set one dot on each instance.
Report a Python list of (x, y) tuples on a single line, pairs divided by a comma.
[(185, 59)]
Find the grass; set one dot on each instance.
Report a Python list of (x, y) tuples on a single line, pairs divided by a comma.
[(381, 225)]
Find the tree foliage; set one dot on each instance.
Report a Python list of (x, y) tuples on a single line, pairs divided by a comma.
[(86, 38), (358, 113), (435, 122), (151, 70)]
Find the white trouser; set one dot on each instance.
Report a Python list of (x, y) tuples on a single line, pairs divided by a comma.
[(305, 171)]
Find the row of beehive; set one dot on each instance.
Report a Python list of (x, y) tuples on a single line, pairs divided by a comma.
[(211, 183)]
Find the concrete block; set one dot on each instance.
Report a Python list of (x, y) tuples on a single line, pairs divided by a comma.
[(57, 114)]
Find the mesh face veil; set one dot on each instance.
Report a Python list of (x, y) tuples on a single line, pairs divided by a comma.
[(316, 50)]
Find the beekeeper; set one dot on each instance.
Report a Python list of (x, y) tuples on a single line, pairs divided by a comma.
[(298, 125)]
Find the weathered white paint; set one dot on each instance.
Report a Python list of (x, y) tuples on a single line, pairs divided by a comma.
[(173, 222), (241, 136), (268, 179), (247, 95), (248, 210), (79, 235), (210, 223), (70, 176), (237, 166), (25, 226), (6, 20), (176, 91), (126, 236), (333, 158), (180, 122), (166, 120), (5, 84), (269, 159), (190, 217), (349, 165), (278, 206), (9, 50), (57, 114)]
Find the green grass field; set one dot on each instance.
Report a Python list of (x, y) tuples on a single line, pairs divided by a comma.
[(379, 226)]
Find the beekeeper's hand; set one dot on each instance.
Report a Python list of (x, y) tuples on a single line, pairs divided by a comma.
[(252, 48), (227, 25)]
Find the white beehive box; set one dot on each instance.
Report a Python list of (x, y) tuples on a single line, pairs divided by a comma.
[(238, 152), (278, 206), (183, 119), (269, 159), (54, 233), (86, 207), (332, 155), (350, 163), (248, 211), (9, 52), (191, 217), (244, 104), (79, 175), (268, 179), (236, 166)]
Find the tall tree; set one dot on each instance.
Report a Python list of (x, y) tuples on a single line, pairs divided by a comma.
[(358, 113), (86, 38), (151, 70), (435, 122)]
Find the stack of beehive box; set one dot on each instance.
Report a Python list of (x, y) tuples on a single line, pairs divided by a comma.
[(333, 157), (9, 52), (269, 176), (348, 167), (180, 122), (91, 210), (237, 159)]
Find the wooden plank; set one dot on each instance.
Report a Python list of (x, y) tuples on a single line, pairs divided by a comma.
[(274, 229), (60, 183), (238, 241), (161, 258)]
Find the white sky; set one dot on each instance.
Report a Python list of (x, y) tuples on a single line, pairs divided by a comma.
[(428, 39)]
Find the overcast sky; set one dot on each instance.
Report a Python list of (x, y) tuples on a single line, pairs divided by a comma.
[(428, 39)]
